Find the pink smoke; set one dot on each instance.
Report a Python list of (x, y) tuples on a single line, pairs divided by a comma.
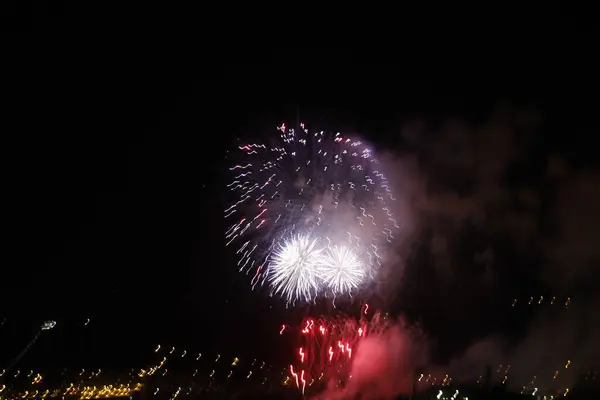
[(383, 366)]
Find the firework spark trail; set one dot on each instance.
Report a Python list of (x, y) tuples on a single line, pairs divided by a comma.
[(315, 185), (326, 346)]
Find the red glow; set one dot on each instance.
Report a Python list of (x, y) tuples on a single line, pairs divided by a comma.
[(328, 352)]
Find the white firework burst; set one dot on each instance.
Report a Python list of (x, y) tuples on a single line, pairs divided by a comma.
[(341, 270), (316, 184), (293, 270)]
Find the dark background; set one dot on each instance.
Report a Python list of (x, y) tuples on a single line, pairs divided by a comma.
[(114, 130)]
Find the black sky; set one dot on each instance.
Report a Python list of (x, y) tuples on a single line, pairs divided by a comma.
[(117, 122)]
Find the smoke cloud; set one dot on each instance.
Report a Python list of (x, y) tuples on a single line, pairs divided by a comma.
[(559, 345), (492, 216), (383, 366)]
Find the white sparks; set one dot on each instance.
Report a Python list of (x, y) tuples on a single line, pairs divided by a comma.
[(341, 270), (293, 270)]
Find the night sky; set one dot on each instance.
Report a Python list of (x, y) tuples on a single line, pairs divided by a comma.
[(116, 132)]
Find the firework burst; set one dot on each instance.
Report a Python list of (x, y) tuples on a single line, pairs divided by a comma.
[(341, 270), (309, 213), (293, 273)]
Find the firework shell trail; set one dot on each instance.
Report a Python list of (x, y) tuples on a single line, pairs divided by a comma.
[(309, 214)]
